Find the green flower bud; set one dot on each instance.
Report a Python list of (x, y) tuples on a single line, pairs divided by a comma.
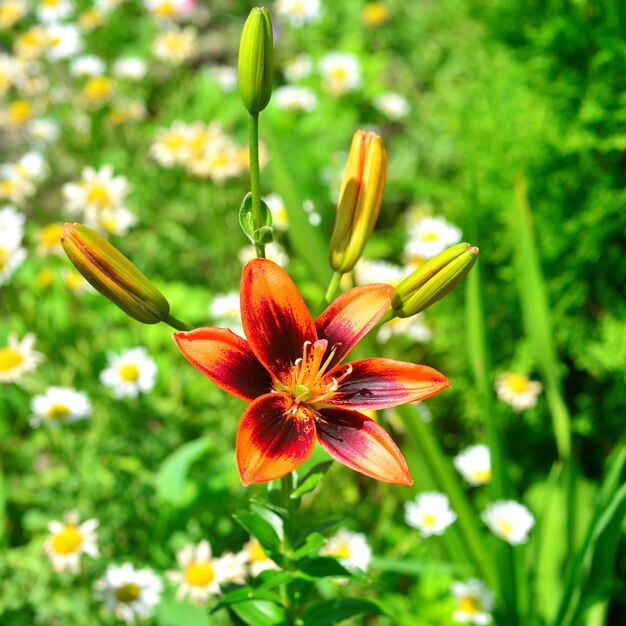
[(113, 275), (433, 280), (256, 52), (360, 198)]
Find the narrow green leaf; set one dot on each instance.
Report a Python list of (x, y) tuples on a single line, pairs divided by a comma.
[(338, 610), (325, 566), (260, 613), (418, 568), (311, 479), (263, 524)]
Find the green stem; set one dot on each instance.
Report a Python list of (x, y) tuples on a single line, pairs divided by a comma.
[(255, 179), (172, 321), (332, 289), (286, 487)]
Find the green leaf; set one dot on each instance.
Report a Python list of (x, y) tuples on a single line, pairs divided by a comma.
[(336, 611), (263, 524), (171, 476), (246, 594), (311, 479), (260, 613), (172, 612), (311, 545), (325, 566)]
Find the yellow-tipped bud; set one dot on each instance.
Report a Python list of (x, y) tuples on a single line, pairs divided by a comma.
[(360, 198), (256, 54), (433, 280), (113, 275)]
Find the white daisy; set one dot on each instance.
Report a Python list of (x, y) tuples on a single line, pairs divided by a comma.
[(54, 10), (18, 358), (32, 166), (393, 105), (87, 65), (254, 556), (294, 98), (11, 225), (474, 602), (518, 390), (429, 236), (509, 520), (298, 68), (226, 77), (130, 68), (299, 12), (49, 239), (169, 9), (63, 41), (414, 328), (11, 257), (349, 547), (59, 405), (172, 146), (474, 464), (201, 575), (44, 131), (130, 373), (430, 513), (14, 186), (68, 541), (225, 309), (175, 45), (368, 271), (12, 11), (341, 73), (129, 593), (115, 220)]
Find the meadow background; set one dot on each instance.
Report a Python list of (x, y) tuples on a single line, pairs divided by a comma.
[(513, 130)]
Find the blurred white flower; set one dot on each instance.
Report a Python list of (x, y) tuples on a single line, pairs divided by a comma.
[(298, 68), (225, 310), (130, 68), (375, 271), (12, 11), (414, 328), (115, 220), (59, 405), (350, 547), (276, 205), (294, 98), (273, 251), (254, 557), (87, 65), (68, 541), (518, 390), (11, 225), (129, 593), (130, 373), (341, 73), (299, 12), (43, 130), (170, 9), (18, 358), (393, 105), (509, 520), (474, 602), (175, 45), (64, 41), (11, 257), (430, 513), (474, 464), (201, 574), (54, 10), (428, 237), (226, 77)]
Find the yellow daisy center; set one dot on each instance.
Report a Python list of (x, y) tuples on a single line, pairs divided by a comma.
[(505, 528), (339, 73), (165, 9), (199, 574), (57, 411), (50, 3), (45, 277), (67, 541), (20, 112), (517, 383), (128, 593), (98, 88), (428, 520), (129, 372), (4, 258), (469, 604), (256, 553), (482, 475), (375, 13), (97, 193), (430, 237), (342, 550), (10, 358), (74, 281), (50, 235)]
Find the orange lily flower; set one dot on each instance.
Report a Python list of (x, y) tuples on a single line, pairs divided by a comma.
[(290, 370)]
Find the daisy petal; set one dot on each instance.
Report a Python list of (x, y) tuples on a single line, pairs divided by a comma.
[(382, 383), (362, 445), (351, 316), (270, 442), (226, 359), (274, 317)]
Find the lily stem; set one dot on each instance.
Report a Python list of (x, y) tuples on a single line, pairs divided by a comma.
[(172, 321), (255, 179), (286, 487), (332, 289)]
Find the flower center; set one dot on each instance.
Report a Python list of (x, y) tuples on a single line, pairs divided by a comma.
[(128, 593), (256, 553), (9, 359), (428, 520), (57, 412), (199, 574), (98, 194), (517, 383), (505, 528), (342, 551), (482, 475), (50, 235), (309, 382), (469, 604), (67, 540), (129, 373)]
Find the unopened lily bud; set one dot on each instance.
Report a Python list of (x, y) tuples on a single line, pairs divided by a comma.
[(256, 53), (360, 198), (433, 280), (113, 275)]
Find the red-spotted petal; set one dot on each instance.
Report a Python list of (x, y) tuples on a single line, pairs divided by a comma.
[(272, 442), (361, 444), (351, 316), (226, 359), (274, 317), (382, 383)]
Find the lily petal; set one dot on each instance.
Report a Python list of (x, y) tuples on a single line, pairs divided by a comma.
[(351, 316), (361, 444), (274, 317), (271, 442), (226, 359), (382, 383)]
